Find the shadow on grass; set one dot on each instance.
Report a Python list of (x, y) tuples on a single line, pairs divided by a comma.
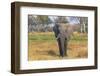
[(47, 53), (52, 53)]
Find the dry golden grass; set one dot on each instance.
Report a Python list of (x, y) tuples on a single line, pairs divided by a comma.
[(49, 50)]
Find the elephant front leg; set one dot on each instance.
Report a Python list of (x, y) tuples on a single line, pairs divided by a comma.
[(61, 44), (65, 46)]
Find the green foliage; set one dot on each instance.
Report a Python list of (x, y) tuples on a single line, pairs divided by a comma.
[(43, 19), (51, 38), (42, 37)]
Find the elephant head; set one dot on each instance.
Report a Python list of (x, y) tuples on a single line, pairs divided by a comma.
[(62, 30)]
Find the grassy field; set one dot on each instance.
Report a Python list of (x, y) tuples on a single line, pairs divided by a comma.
[(43, 46)]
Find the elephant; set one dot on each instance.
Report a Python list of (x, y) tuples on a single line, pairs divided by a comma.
[(62, 36)]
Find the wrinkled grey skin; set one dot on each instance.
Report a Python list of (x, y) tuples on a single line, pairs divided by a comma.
[(61, 34)]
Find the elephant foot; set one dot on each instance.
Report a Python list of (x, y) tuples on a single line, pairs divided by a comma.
[(62, 56), (65, 55)]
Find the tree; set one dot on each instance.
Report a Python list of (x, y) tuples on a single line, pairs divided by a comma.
[(31, 22), (83, 21), (61, 19), (44, 22), (84, 24)]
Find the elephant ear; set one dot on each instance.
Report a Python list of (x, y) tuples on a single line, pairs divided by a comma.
[(69, 32)]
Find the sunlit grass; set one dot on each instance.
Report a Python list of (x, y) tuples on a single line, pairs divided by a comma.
[(43, 46)]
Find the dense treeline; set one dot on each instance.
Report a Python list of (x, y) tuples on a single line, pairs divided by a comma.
[(43, 23)]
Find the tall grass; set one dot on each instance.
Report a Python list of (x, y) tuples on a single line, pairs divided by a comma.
[(43, 46)]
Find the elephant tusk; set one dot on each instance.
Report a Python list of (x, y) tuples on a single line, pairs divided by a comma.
[(58, 36)]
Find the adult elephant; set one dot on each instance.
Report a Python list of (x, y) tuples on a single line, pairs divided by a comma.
[(62, 36)]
